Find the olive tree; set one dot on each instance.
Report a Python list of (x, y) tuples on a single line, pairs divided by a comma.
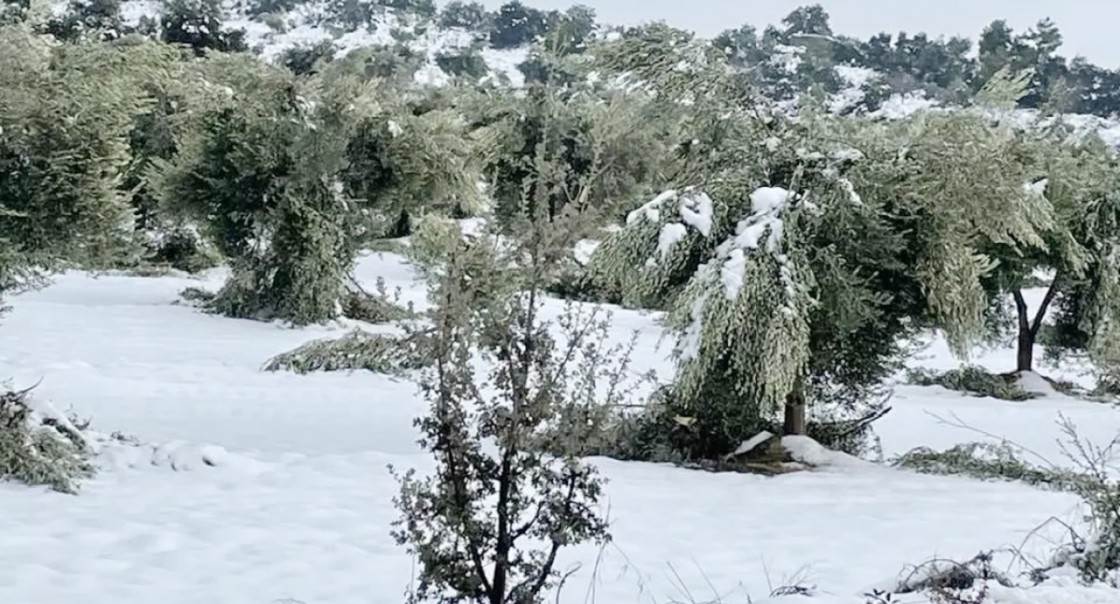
[(287, 177), (792, 255)]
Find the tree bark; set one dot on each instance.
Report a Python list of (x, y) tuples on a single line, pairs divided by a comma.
[(1024, 354), (1028, 327), (795, 423)]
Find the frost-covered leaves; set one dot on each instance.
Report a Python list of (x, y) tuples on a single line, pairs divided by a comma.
[(40, 450)]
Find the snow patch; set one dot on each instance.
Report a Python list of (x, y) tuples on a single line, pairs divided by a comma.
[(1034, 383), (670, 235), (808, 451)]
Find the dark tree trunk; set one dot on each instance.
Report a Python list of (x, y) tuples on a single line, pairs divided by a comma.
[(1024, 354), (795, 423), (1028, 327)]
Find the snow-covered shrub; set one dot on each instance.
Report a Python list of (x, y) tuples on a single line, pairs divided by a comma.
[(39, 449), (973, 380), (358, 350)]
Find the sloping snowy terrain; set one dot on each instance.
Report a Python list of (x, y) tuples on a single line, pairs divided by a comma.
[(269, 486)]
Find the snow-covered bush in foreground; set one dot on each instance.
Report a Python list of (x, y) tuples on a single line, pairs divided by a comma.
[(39, 446)]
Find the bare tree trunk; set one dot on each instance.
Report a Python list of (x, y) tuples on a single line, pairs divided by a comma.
[(1024, 354), (795, 423), (1028, 327)]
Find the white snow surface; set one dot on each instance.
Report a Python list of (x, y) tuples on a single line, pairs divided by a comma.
[(297, 502)]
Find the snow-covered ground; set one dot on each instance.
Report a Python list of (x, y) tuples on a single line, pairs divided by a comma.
[(296, 499)]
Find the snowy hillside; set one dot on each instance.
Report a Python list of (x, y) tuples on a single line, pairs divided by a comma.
[(257, 487)]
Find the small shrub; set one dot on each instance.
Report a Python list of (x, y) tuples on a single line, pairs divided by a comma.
[(183, 250), (40, 450), (972, 380), (357, 350), (306, 59), (378, 307)]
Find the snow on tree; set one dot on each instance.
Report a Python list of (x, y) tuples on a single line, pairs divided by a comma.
[(793, 255)]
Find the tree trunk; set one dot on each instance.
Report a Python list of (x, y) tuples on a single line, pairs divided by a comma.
[(1028, 327), (795, 423), (1024, 355)]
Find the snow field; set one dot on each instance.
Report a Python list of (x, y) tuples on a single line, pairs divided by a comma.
[(298, 501)]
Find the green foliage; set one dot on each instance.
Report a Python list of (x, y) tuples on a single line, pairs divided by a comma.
[(467, 15), (467, 63), (515, 24), (358, 350), (40, 451), (199, 25), (353, 15), (751, 251), (100, 19), (987, 461), (488, 527), (376, 307), (255, 171), (308, 59), (599, 141), (973, 380), (66, 113)]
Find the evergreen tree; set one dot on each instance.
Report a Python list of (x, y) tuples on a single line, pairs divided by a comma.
[(600, 137)]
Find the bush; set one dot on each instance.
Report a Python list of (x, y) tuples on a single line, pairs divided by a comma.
[(306, 59), (184, 250), (378, 307), (468, 15), (517, 25), (972, 380), (497, 495), (40, 450), (358, 350), (467, 63)]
